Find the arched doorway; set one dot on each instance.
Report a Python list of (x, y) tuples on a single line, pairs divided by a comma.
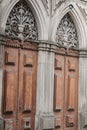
[(66, 76), (19, 69)]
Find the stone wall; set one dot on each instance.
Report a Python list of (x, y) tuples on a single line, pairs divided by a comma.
[(48, 14)]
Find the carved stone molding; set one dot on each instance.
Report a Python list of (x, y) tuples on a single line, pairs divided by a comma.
[(21, 22), (56, 4), (66, 34), (59, 2), (83, 10), (84, 0), (46, 5)]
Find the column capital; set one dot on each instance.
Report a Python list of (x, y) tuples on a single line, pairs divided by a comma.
[(47, 46), (83, 53)]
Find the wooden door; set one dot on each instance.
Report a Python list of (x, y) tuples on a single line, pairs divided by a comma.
[(66, 92), (27, 89), (19, 88)]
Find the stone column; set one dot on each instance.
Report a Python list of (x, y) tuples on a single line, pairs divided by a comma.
[(45, 87), (82, 106), (1, 75)]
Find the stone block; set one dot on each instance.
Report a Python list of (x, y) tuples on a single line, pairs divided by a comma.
[(47, 123), (44, 122), (83, 120), (1, 124)]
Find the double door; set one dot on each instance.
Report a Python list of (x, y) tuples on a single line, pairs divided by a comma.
[(66, 92), (19, 88)]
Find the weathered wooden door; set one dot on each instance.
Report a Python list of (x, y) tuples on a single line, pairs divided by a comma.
[(19, 88), (66, 92)]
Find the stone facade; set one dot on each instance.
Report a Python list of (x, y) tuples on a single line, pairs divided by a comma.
[(48, 15)]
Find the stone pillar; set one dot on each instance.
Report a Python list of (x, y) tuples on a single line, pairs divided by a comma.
[(82, 106), (1, 75), (45, 87)]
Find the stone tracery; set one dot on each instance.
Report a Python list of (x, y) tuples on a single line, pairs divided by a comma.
[(66, 34), (21, 22)]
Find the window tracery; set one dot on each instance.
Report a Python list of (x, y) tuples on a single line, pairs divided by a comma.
[(66, 34), (21, 22)]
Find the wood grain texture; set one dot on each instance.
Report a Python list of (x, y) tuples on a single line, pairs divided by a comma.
[(59, 92), (19, 87), (66, 92)]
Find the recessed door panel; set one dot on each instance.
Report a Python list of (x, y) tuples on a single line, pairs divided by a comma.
[(59, 92), (27, 92), (9, 91)]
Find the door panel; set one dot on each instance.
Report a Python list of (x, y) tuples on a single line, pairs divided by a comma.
[(19, 88), (66, 92), (10, 83), (71, 93), (59, 92), (27, 89)]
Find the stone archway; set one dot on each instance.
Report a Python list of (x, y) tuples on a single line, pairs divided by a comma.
[(80, 27), (66, 76)]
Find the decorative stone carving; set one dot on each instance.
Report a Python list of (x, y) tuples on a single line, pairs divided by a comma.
[(59, 2), (66, 34), (21, 22), (56, 4), (83, 9)]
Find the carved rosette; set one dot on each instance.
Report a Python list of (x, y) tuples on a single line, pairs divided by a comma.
[(66, 34), (21, 22)]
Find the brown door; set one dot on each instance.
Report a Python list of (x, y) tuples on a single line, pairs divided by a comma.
[(66, 92), (19, 88)]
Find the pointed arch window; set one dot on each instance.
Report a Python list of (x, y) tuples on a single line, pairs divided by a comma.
[(21, 22), (66, 34)]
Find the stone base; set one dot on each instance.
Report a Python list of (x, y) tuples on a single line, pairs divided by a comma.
[(83, 120), (45, 122), (1, 123)]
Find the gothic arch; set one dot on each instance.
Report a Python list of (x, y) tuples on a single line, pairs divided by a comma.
[(76, 16), (37, 11)]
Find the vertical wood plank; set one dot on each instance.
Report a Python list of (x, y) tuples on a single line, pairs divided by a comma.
[(71, 93), (59, 91)]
